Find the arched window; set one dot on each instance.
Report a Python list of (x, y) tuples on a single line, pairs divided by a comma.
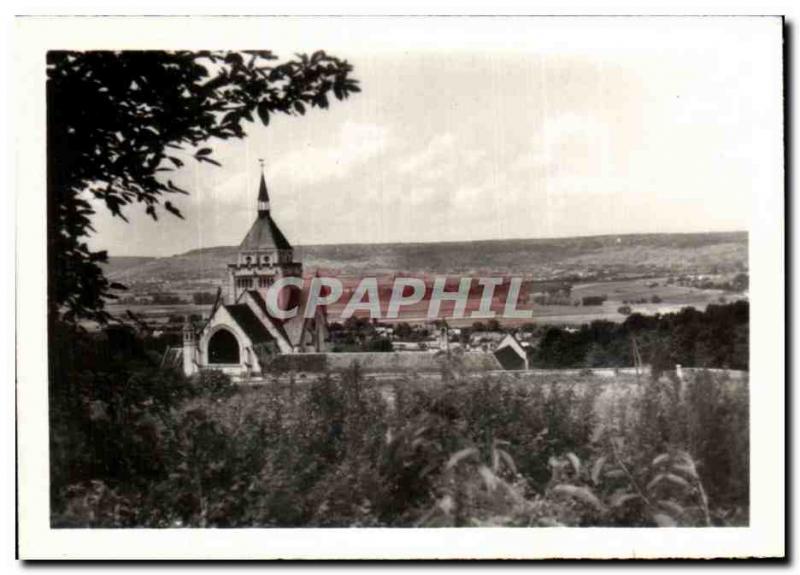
[(223, 348)]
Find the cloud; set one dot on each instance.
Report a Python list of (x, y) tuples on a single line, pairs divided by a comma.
[(567, 135), (470, 195), (439, 147), (354, 145), (443, 158)]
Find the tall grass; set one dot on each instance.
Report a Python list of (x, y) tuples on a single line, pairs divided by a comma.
[(458, 452)]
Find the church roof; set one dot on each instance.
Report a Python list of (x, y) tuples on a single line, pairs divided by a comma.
[(293, 327), (247, 320), (258, 299), (264, 234), (263, 195), (510, 353), (509, 358), (277, 323)]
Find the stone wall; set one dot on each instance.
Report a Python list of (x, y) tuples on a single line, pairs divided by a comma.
[(383, 362)]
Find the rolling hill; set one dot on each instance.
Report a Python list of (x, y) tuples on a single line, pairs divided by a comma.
[(542, 258)]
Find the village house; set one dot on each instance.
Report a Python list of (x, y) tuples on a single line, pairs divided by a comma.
[(485, 339), (511, 354)]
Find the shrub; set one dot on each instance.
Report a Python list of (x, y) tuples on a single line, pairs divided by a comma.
[(214, 383), (132, 449), (110, 412)]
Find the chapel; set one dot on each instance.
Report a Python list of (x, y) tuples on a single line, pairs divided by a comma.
[(240, 335)]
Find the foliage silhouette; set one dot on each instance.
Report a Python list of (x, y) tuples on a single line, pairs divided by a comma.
[(714, 338), (119, 122), (135, 446)]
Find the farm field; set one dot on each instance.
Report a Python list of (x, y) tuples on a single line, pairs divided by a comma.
[(159, 312), (673, 298), (619, 293), (631, 267)]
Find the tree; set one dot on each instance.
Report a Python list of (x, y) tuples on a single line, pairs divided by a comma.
[(204, 298), (380, 344), (403, 331), (116, 125)]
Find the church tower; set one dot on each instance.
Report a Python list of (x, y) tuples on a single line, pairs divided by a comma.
[(189, 347), (265, 254)]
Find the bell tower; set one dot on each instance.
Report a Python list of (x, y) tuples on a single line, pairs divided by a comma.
[(265, 254), (189, 347)]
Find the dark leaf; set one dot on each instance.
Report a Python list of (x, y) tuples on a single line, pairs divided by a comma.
[(263, 112), (172, 209), (209, 160), (113, 116)]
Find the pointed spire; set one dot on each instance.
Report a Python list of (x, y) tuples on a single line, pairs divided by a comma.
[(263, 195)]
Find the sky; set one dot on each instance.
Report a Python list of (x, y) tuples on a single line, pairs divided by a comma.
[(493, 129)]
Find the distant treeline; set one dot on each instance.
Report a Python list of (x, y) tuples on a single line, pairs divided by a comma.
[(715, 338)]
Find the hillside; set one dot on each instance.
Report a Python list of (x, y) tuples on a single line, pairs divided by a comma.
[(119, 266), (542, 258)]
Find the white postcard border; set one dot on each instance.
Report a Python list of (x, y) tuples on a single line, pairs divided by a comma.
[(764, 536)]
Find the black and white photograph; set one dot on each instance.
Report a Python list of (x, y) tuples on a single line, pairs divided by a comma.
[(401, 277)]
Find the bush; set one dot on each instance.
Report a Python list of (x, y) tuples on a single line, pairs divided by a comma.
[(214, 383), (717, 337), (111, 408), (134, 448), (592, 300), (380, 344)]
